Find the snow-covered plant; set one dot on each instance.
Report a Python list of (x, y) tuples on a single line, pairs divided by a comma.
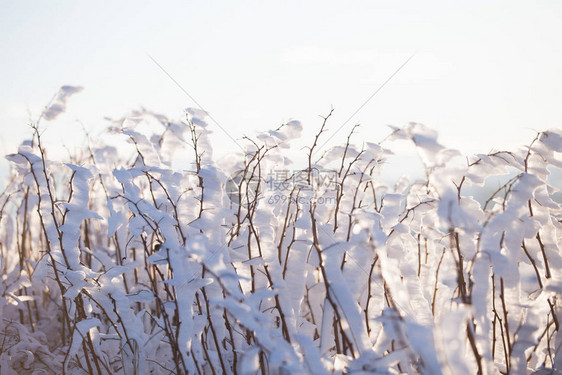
[(116, 262)]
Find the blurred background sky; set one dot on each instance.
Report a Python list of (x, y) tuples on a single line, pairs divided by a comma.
[(485, 74)]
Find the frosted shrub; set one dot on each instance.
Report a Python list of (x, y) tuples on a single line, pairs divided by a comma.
[(115, 263)]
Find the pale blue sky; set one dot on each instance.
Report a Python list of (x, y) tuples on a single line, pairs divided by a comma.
[(485, 72)]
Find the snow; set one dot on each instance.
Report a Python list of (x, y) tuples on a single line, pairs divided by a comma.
[(123, 262), (58, 105)]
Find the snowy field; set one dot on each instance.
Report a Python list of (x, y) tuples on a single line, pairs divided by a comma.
[(117, 261)]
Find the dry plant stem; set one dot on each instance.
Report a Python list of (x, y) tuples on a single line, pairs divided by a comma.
[(284, 229), (369, 293), (355, 204), (196, 362), (543, 334), (206, 352), (194, 140), (52, 198), (340, 190), (293, 237), (399, 319), (314, 144), (541, 245), (533, 263), (419, 255), (346, 148), (499, 322), (253, 231), (435, 287), (326, 281), (23, 253), (198, 167), (87, 344), (470, 327), (174, 205), (553, 313), (66, 318), (507, 187), (79, 303), (231, 335), (168, 324), (213, 331), (460, 269), (549, 349), (506, 325)]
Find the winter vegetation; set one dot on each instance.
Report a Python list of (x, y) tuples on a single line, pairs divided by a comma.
[(114, 262)]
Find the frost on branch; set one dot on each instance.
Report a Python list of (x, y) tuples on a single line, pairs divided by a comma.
[(116, 262), (58, 104)]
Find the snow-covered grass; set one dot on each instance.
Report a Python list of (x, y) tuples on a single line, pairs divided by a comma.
[(115, 263)]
